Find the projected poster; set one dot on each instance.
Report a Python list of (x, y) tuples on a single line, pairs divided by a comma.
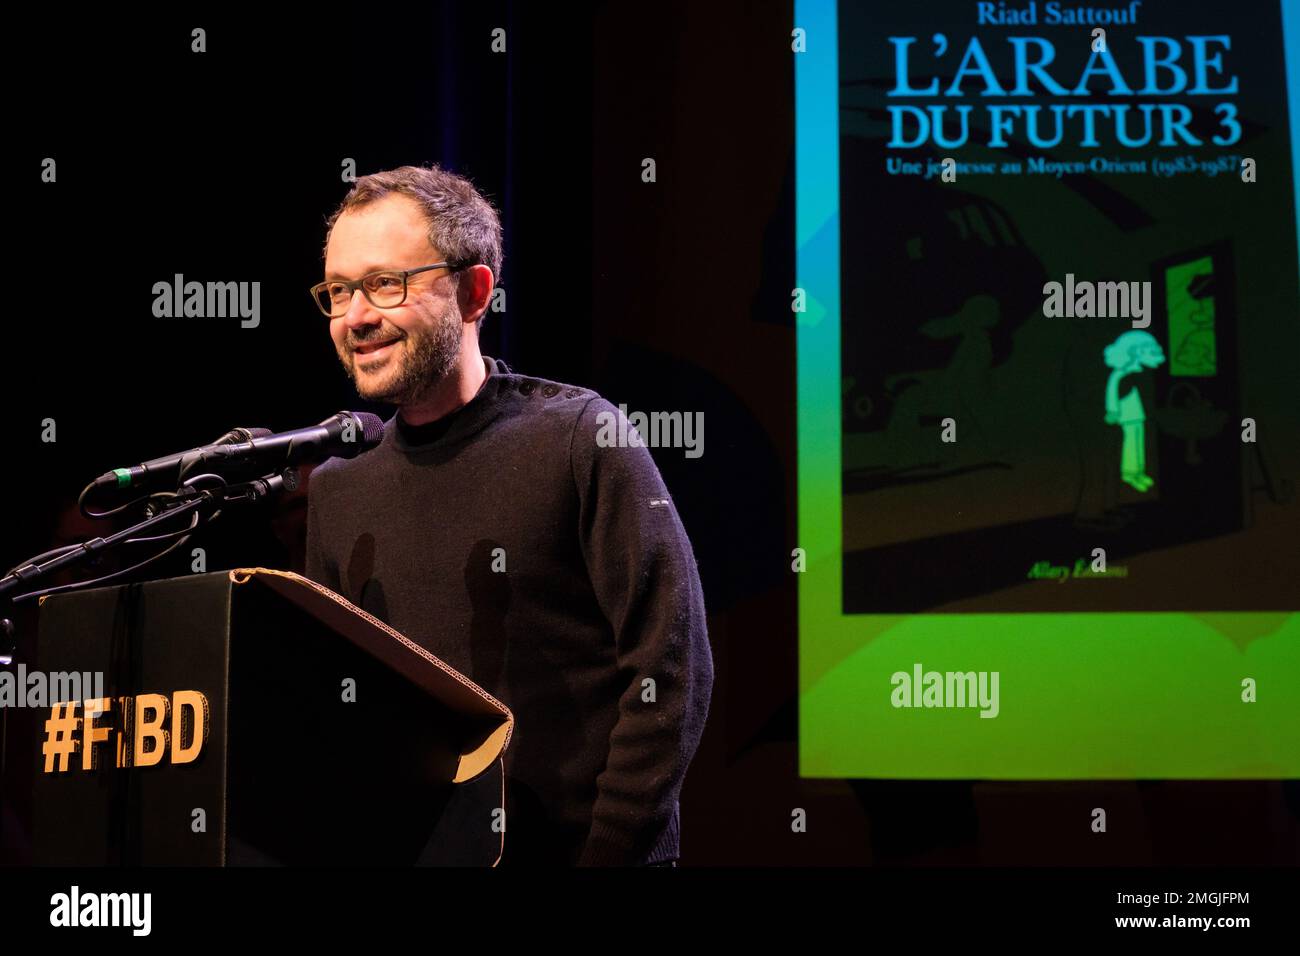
[(1049, 430)]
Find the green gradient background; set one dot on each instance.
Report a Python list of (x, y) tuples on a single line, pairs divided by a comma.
[(1081, 695)]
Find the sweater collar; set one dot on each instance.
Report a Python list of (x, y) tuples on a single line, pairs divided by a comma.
[(465, 421)]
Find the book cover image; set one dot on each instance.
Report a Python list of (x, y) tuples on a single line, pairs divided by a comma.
[(1063, 313)]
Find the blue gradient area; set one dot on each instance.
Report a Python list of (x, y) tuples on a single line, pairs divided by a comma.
[(817, 229), (817, 273), (1291, 45), (817, 329)]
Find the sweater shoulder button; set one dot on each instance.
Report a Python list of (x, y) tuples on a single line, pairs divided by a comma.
[(550, 390), (526, 388)]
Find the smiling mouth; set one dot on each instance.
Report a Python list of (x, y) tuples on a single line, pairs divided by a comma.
[(371, 348)]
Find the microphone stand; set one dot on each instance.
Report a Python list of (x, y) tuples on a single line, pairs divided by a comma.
[(179, 504), (183, 503)]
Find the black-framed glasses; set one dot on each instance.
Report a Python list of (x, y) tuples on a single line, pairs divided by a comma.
[(384, 289)]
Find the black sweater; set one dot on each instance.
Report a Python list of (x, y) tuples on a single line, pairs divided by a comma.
[(556, 574)]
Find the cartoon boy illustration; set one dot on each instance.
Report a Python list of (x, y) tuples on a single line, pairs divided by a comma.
[(1131, 353)]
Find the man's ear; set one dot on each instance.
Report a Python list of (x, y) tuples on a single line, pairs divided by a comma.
[(474, 291)]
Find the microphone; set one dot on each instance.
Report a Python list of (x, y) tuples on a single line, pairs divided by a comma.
[(247, 450), (242, 434)]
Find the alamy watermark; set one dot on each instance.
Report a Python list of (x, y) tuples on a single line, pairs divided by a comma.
[(208, 300), (657, 429), (24, 688), (923, 688), (133, 911), (1103, 300)]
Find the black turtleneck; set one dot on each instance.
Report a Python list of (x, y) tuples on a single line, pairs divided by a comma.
[(431, 432), (557, 575)]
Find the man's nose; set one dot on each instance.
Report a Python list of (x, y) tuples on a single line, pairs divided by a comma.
[(360, 312)]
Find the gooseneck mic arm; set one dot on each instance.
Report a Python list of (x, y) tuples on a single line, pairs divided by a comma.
[(264, 463)]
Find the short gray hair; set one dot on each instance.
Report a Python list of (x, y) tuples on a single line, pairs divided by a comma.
[(463, 226)]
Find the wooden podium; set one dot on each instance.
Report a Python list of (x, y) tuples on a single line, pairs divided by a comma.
[(255, 717)]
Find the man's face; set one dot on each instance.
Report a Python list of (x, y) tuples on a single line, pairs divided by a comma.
[(393, 355)]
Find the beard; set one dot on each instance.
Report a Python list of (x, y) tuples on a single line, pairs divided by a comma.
[(422, 359)]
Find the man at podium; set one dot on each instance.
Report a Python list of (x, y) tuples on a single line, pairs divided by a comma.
[(515, 527)]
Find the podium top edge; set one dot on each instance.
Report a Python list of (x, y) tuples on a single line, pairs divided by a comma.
[(442, 681)]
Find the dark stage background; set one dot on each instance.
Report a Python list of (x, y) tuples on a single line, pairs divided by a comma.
[(670, 295)]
